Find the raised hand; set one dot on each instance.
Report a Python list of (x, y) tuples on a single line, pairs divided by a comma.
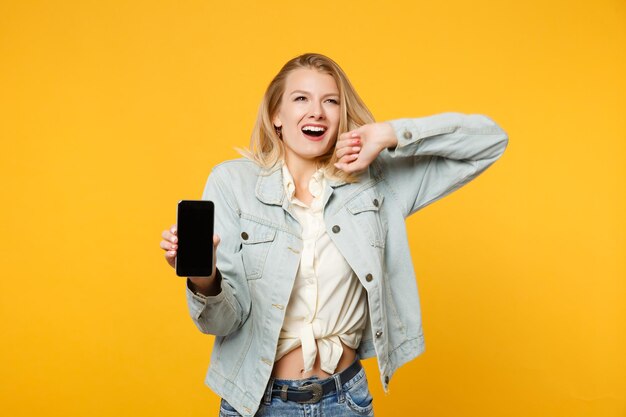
[(357, 148)]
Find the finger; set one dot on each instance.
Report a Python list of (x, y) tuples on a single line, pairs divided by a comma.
[(174, 229), (347, 168), (347, 163), (168, 235), (351, 143), (351, 134), (216, 242), (341, 144), (347, 159), (170, 257), (348, 147), (347, 151), (167, 245), (344, 137), (340, 166), (344, 153), (348, 141)]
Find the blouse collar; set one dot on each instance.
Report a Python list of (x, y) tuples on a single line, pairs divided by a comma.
[(316, 184)]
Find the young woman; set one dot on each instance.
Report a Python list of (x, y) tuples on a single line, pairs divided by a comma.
[(313, 270)]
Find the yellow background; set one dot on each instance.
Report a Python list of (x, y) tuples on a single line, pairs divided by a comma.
[(112, 111)]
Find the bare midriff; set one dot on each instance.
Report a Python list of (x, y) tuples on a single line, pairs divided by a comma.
[(291, 366)]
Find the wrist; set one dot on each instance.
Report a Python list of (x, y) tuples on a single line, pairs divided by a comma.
[(390, 135), (207, 286)]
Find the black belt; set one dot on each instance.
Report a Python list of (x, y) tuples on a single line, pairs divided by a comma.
[(313, 392)]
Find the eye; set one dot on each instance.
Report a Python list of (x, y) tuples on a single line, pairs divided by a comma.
[(299, 98), (333, 101)]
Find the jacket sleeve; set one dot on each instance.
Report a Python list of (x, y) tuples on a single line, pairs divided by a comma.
[(438, 154), (227, 311)]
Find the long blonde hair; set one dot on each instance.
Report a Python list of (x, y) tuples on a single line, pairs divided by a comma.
[(266, 146)]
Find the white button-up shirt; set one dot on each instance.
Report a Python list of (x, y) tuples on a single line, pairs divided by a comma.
[(328, 304)]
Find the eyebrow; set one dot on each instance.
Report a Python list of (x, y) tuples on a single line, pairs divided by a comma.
[(307, 93)]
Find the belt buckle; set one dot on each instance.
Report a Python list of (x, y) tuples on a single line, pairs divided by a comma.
[(316, 389)]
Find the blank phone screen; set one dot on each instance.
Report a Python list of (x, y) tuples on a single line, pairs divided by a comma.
[(195, 238)]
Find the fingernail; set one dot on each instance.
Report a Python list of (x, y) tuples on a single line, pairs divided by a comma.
[(174, 239), (174, 246)]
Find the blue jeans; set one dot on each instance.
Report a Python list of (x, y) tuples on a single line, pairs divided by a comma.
[(353, 398)]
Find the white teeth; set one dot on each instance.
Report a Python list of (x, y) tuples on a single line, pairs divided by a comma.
[(314, 128)]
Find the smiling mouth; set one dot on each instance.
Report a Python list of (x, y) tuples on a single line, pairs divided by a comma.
[(315, 131)]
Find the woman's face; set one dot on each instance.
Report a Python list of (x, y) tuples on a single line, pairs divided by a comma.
[(308, 114)]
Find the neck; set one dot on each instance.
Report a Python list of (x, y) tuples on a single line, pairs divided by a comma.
[(301, 170)]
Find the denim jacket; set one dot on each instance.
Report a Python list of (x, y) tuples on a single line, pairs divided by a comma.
[(260, 248)]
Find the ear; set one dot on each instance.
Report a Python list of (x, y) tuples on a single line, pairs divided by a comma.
[(276, 121)]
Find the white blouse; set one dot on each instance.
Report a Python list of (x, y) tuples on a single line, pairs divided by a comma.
[(328, 304)]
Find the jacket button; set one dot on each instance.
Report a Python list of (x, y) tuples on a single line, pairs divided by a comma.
[(378, 334), (244, 235), (386, 380), (336, 229), (375, 202), (407, 134), (369, 277)]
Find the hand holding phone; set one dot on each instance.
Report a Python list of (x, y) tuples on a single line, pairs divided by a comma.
[(201, 285)]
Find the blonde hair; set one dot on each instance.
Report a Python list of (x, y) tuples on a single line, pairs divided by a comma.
[(266, 146)]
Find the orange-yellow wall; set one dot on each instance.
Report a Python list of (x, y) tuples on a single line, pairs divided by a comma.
[(112, 111)]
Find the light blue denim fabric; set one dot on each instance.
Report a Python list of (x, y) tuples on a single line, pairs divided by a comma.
[(351, 399), (435, 155)]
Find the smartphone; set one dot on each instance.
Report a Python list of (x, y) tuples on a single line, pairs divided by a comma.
[(195, 238)]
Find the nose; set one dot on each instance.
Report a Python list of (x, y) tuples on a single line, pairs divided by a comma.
[(317, 110)]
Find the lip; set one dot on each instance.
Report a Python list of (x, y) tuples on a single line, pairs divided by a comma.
[(314, 138), (314, 125)]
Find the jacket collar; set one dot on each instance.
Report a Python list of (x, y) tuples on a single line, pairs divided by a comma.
[(269, 186)]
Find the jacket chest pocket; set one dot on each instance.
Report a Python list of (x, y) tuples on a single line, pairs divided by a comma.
[(256, 240), (366, 211)]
